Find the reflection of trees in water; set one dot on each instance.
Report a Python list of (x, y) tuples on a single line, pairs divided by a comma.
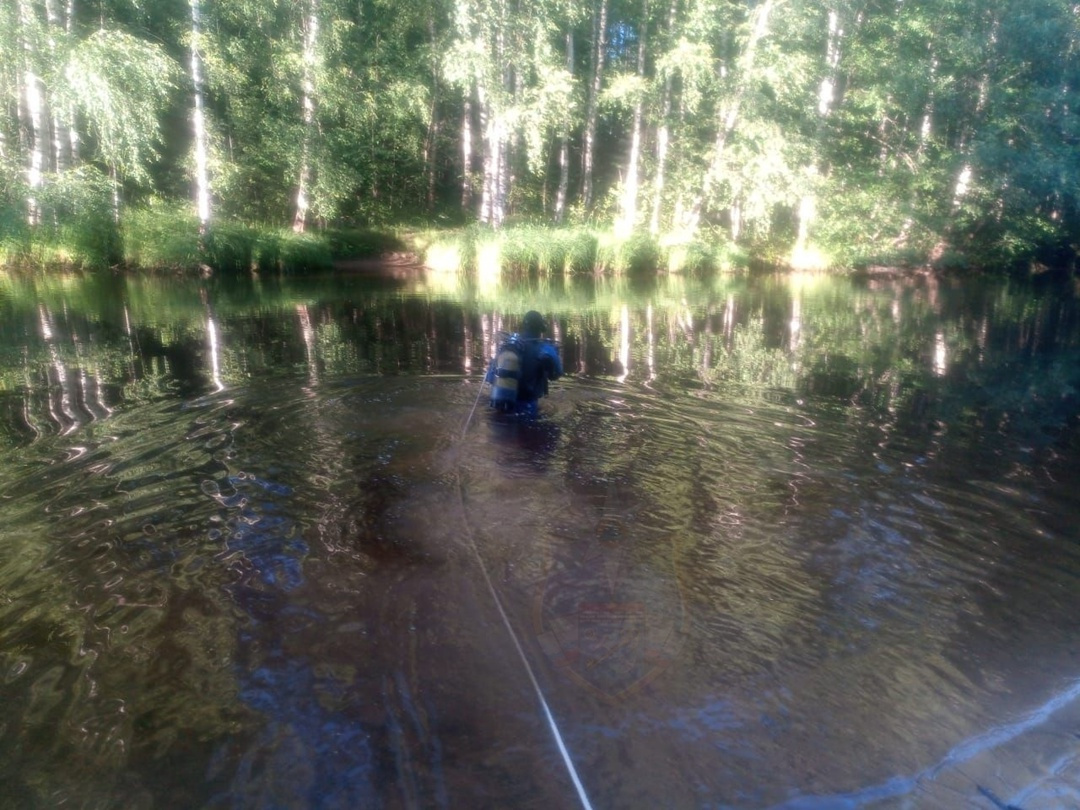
[(730, 435), (911, 352)]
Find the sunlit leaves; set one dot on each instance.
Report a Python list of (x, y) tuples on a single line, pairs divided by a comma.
[(120, 84)]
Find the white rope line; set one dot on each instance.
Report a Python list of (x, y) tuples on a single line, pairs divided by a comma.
[(465, 427), (582, 796)]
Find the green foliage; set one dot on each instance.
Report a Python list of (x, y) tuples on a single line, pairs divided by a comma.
[(288, 252), (550, 251), (15, 232), (78, 206), (120, 84), (361, 243), (531, 249), (703, 257), (77, 227), (639, 254), (164, 236), (920, 94)]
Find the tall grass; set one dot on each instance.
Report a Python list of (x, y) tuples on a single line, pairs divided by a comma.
[(547, 251), (162, 237), (78, 228), (168, 238)]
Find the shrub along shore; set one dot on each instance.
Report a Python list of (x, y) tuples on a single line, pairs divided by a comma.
[(167, 239)]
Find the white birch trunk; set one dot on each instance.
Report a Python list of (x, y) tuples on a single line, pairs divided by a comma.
[(592, 110), (35, 106), (495, 144), (628, 200), (491, 159), (432, 139), (34, 94), (926, 128), (202, 173), (564, 179), (493, 203), (59, 134), (502, 187), (826, 99), (564, 147), (678, 214), (466, 154), (827, 89), (65, 137), (310, 26), (966, 174), (73, 130), (510, 137), (663, 136)]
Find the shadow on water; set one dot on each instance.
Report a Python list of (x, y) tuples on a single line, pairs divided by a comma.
[(772, 543)]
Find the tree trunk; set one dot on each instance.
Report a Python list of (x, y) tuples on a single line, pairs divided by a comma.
[(202, 175), (826, 99), (564, 146), (663, 134), (59, 128), (34, 92), (491, 160), (310, 29), (628, 201), (494, 138), (432, 138), (592, 108), (73, 130), (496, 181), (466, 153)]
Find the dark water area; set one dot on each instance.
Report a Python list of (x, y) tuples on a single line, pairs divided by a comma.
[(773, 542)]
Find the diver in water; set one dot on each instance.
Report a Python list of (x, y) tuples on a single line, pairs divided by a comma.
[(520, 371)]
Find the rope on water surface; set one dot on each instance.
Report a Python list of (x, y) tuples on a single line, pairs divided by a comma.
[(465, 427), (548, 715)]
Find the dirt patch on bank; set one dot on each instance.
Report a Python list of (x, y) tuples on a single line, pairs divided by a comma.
[(393, 263)]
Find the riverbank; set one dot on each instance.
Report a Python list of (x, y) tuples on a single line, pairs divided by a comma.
[(168, 239)]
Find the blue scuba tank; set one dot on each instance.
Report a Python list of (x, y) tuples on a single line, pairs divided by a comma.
[(508, 362)]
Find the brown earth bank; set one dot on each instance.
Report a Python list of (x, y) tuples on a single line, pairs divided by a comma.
[(396, 262)]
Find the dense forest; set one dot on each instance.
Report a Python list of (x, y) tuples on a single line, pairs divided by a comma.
[(827, 132)]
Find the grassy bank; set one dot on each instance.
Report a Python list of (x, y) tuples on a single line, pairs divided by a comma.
[(167, 238), (528, 250)]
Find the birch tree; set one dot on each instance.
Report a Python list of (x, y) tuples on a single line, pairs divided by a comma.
[(564, 143), (743, 70), (119, 84), (310, 36), (663, 127), (10, 85), (34, 100), (592, 109), (503, 57), (826, 99), (201, 144), (628, 198)]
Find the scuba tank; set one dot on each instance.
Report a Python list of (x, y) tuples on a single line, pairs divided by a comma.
[(508, 367)]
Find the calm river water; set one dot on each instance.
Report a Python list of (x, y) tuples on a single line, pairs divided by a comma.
[(774, 542)]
